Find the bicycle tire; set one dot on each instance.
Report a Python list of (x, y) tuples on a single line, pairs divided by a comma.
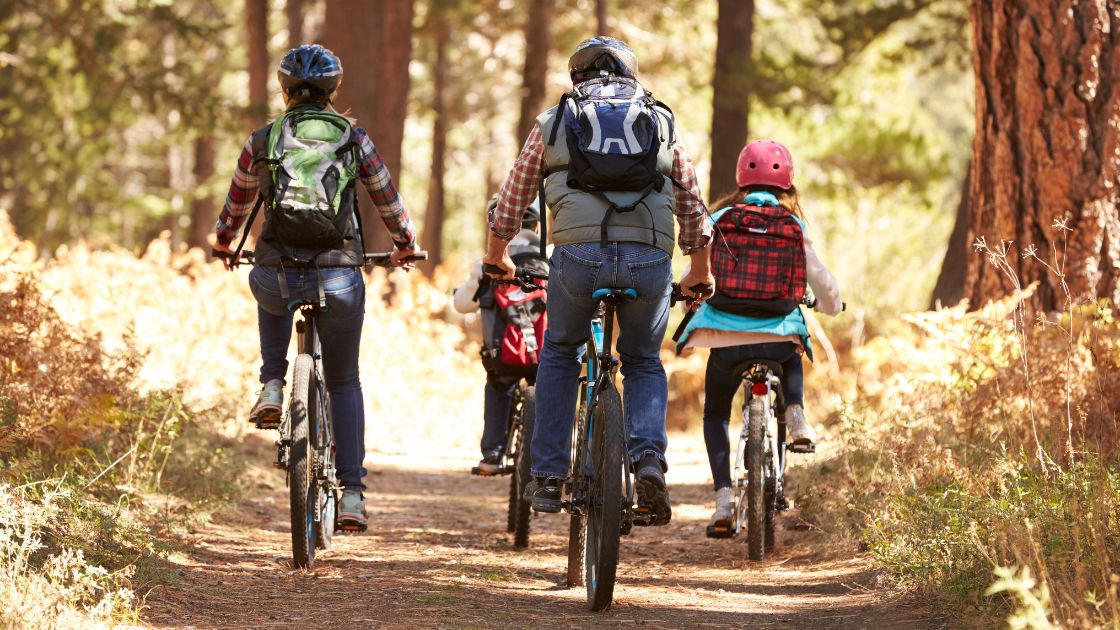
[(577, 524), (771, 512), (754, 462), (604, 506), (522, 472), (516, 489), (326, 498), (299, 467)]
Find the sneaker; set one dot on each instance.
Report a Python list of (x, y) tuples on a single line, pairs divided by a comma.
[(545, 494), (490, 464), (270, 402), (721, 523), (653, 498), (800, 431), (352, 511)]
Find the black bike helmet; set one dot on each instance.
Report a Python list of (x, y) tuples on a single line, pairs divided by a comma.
[(309, 71), (602, 55)]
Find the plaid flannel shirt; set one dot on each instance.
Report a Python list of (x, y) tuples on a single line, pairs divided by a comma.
[(371, 171), (520, 188)]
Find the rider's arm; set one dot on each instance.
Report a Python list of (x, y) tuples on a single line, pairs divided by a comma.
[(378, 183), (821, 281), (519, 189), (239, 202), (463, 299), (692, 215)]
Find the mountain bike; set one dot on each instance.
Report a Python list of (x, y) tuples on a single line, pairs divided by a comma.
[(600, 483), (519, 431), (306, 447), (758, 476)]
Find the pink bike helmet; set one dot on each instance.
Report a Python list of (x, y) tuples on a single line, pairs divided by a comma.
[(764, 162)]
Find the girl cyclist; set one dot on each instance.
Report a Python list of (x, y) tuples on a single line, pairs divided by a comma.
[(295, 262), (765, 178)]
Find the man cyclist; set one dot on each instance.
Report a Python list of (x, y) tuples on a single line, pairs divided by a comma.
[(289, 269), (596, 246)]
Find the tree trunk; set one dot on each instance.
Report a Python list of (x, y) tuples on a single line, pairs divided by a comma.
[(294, 9), (434, 216), (1047, 146), (256, 19), (950, 282), (374, 41), (538, 42), (730, 91), (601, 17), (202, 206)]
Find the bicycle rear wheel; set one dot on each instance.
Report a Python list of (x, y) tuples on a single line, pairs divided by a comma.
[(302, 490), (514, 439), (577, 524), (522, 473), (755, 461), (604, 505)]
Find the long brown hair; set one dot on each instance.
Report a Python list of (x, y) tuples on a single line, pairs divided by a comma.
[(787, 198)]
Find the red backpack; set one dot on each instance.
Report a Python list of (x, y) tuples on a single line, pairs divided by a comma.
[(513, 341), (758, 260)]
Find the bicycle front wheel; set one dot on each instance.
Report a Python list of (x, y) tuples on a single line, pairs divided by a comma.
[(303, 493), (522, 472), (755, 463), (604, 505)]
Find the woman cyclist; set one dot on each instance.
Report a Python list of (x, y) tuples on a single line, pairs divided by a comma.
[(765, 178), (294, 264)]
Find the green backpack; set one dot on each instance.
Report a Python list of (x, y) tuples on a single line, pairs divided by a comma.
[(313, 160)]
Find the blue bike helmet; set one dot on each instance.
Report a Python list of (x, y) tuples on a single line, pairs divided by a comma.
[(309, 71), (602, 55)]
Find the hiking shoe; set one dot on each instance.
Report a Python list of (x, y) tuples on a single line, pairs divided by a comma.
[(545, 494), (270, 402), (653, 498), (490, 464), (720, 525), (352, 511), (800, 431)]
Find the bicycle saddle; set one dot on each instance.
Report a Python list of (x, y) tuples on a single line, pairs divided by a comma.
[(604, 295), (746, 367)]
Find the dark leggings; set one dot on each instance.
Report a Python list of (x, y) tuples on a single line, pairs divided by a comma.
[(720, 384)]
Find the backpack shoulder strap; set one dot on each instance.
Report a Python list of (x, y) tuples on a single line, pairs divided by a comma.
[(560, 108)]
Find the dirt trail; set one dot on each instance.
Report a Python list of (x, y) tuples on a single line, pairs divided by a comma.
[(437, 555)]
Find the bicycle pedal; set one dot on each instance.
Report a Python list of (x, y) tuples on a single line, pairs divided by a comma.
[(714, 531), (801, 448), (501, 472), (643, 517), (352, 528)]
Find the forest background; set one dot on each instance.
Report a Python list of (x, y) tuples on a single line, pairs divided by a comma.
[(922, 130)]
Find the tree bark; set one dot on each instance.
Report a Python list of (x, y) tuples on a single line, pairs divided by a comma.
[(601, 17), (434, 216), (1047, 146), (294, 11), (256, 20), (950, 282), (202, 206), (538, 42), (374, 41), (730, 91)]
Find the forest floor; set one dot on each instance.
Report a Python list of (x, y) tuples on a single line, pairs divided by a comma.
[(437, 555)]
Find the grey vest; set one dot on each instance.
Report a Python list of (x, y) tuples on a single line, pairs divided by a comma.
[(576, 216)]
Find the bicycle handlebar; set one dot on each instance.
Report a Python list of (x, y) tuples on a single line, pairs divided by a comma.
[(679, 296), (524, 279), (380, 259)]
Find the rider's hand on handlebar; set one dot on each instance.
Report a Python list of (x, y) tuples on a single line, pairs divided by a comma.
[(696, 278), (504, 262), (225, 248), (399, 257)]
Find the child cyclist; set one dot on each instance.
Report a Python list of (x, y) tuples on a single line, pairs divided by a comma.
[(310, 246), (737, 327), (476, 293)]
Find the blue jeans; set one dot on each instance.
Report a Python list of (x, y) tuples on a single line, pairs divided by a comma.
[(721, 381), (340, 331), (576, 271), (497, 397)]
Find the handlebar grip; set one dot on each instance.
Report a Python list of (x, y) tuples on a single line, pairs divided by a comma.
[(701, 289), (493, 269)]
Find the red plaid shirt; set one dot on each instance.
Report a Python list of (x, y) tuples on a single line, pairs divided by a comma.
[(371, 171), (520, 188)]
